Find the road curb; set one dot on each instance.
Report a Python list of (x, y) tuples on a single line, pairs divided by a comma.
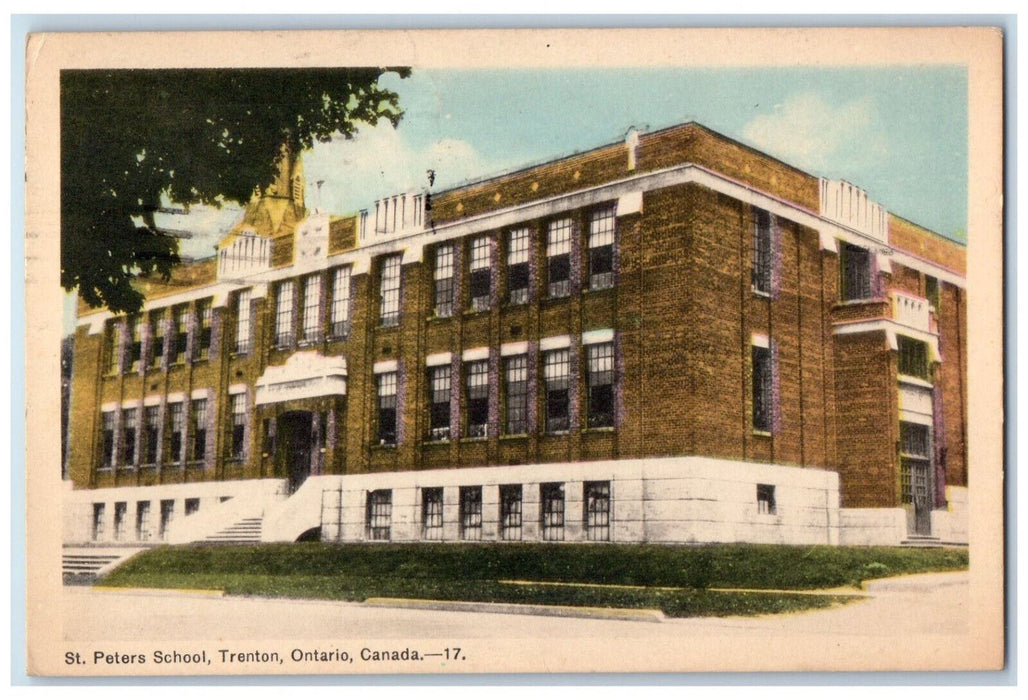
[(184, 592), (626, 614)]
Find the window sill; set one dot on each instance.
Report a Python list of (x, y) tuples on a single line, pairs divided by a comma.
[(599, 429), (384, 447), (476, 312), (557, 433), (483, 438), (592, 290), (858, 302), (514, 436), (438, 442), (915, 381), (761, 433), (760, 293), (240, 354), (148, 466)]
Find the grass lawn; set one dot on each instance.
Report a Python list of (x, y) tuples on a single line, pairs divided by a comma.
[(681, 581)]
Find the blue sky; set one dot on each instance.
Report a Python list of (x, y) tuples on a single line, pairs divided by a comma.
[(900, 133)]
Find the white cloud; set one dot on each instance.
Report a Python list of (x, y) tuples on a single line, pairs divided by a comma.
[(813, 134), (380, 162)]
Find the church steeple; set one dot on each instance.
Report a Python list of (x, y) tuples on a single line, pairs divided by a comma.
[(277, 209)]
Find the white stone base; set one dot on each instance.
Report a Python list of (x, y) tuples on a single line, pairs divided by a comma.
[(950, 524)]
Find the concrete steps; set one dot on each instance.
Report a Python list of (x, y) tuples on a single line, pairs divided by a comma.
[(929, 542), (84, 565), (245, 531)]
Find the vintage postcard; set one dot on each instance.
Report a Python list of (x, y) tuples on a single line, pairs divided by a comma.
[(364, 352)]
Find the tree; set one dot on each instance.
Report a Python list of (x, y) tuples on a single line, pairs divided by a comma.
[(132, 137)]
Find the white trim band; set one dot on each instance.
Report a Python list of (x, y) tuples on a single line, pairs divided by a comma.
[(555, 343), (475, 354), (438, 358), (605, 335), (508, 349), (759, 340), (237, 389), (385, 366)]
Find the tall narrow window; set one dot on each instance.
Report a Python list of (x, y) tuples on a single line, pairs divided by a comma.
[(243, 333), (510, 512), (198, 429), (597, 510), (551, 511), (432, 514), (439, 420), (151, 434), (913, 357), (389, 311), (601, 385), (204, 316), (856, 272), (129, 426), (192, 505), (238, 446), (766, 499), (284, 314), (114, 350), (443, 279), (601, 249), (135, 350), (120, 511), (519, 245), (387, 408), (157, 339), (167, 515), (478, 398), (481, 271), (558, 258), (931, 291), (181, 335), (177, 423), (915, 460), (516, 375), (379, 514), (107, 440), (143, 521), (557, 375), (98, 521), (471, 512), (762, 252), (311, 309), (340, 312), (762, 388)]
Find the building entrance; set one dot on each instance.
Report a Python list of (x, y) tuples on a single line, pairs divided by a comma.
[(296, 444)]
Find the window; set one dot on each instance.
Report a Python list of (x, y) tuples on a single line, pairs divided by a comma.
[(601, 385), (389, 311), (601, 249), (915, 459), (471, 512), (157, 338), (167, 515), (198, 428), (181, 335), (913, 357), (439, 420), (478, 398), (120, 511), (192, 505), (762, 388), (129, 425), (114, 347), (243, 338), (340, 311), (551, 514), (557, 377), (443, 277), (516, 374), (510, 512), (856, 272), (107, 440), (481, 270), (98, 521), (178, 427), (238, 426), (558, 258), (596, 495), (135, 350), (203, 313), (518, 252), (284, 314), (143, 521), (931, 291), (432, 514), (762, 252), (379, 514), (766, 499), (311, 309), (151, 434), (387, 408)]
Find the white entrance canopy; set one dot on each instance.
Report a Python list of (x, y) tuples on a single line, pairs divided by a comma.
[(305, 375)]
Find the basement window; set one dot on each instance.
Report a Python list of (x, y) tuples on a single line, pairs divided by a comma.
[(471, 512), (510, 512), (766, 499), (98, 521), (432, 514), (597, 511), (551, 512), (379, 514)]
